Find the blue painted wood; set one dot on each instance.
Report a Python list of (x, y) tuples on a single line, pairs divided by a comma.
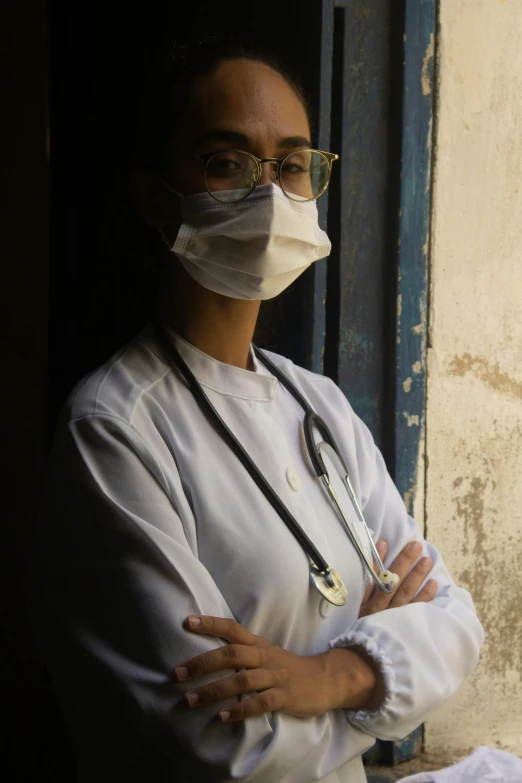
[(361, 349), (318, 336), (413, 249), (412, 278), (363, 281)]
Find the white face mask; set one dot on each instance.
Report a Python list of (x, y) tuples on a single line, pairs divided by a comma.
[(253, 249)]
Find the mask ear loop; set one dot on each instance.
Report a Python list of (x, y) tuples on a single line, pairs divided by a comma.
[(169, 187), (162, 234)]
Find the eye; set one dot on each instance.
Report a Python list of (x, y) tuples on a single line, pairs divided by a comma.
[(230, 165), (291, 167), (224, 165)]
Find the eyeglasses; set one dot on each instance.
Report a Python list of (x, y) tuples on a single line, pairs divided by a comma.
[(232, 175)]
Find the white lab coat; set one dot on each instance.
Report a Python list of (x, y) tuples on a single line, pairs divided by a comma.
[(149, 517)]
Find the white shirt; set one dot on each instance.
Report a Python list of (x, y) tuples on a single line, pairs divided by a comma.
[(150, 517)]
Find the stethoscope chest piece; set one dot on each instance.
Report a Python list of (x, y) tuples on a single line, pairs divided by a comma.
[(325, 579), (330, 585)]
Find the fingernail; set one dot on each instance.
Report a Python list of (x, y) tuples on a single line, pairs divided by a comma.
[(431, 583), (194, 622), (192, 698), (426, 561), (181, 672), (414, 548), (224, 715)]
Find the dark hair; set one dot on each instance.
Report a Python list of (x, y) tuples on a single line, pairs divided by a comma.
[(168, 84)]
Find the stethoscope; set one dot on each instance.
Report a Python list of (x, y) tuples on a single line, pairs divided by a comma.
[(326, 579)]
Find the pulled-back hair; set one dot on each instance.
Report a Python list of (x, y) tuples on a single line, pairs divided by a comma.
[(166, 88)]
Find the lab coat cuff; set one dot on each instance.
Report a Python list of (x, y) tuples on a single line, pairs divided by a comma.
[(359, 639)]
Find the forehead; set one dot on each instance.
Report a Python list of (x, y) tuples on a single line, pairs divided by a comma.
[(249, 97)]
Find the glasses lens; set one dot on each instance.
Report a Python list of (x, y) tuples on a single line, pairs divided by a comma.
[(304, 175), (230, 175)]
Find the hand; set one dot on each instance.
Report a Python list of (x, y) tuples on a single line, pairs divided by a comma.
[(375, 600), (304, 686)]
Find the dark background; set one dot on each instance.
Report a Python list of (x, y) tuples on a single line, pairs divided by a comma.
[(98, 61), (72, 72)]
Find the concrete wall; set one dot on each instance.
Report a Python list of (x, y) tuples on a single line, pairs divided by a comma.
[(474, 413)]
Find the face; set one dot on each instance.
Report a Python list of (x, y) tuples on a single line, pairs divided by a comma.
[(242, 105)]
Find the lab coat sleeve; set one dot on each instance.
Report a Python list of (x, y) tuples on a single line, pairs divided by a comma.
[(424, 650), (114, 578)]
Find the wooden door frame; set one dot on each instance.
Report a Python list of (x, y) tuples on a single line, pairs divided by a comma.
[(396, 417)]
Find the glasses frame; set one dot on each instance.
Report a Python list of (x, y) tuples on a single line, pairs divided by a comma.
[(207, 156)]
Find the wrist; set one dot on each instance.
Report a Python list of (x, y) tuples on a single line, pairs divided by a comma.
[(356, 680)]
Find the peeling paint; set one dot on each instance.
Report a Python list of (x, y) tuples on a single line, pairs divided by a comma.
[(473, 509), (409, 499), (474, 386), (470, 509), (429, 142), (407, 384), (491, 375), (412, 420), (416, 367), (425, 74), (417, 329)]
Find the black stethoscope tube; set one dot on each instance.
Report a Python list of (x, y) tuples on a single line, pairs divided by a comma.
[(214, 417), (311, 419), (385, 580)]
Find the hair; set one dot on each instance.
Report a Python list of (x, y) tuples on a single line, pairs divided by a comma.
[(168, 85)]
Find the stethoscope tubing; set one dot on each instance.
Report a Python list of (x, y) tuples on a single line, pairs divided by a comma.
[(214, 417), (311, 419)]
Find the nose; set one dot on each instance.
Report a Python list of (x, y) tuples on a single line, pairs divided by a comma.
[(268, 172)]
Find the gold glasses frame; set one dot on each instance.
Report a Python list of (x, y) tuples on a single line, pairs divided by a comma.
[(207, 156)]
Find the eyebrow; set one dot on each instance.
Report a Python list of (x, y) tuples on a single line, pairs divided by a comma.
[(233, 137)]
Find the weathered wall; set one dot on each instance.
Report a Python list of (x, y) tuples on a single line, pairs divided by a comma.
[(474, 413)]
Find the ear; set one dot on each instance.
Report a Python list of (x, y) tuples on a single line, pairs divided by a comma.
[(151, 198)]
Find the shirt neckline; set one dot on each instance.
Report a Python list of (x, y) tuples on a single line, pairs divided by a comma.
[(257, 385)]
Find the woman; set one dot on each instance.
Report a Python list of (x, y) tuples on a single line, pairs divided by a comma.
[(184, 635)]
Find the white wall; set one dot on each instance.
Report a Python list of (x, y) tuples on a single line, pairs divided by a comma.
[(474, 411)]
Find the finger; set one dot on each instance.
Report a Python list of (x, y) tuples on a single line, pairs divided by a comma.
[(370, 587), (410, 584), (268, 701), (428, 592), (223, 627), (247, 681), (400, 566), (382, 548), (406, 557), (230, 656)]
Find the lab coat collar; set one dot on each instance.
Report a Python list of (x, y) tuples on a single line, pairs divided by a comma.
[(256, 385)]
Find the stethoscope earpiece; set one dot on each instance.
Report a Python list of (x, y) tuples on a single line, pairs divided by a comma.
[(389, 578)]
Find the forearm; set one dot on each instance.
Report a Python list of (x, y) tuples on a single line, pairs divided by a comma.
[(357, 682), (425, 650)]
